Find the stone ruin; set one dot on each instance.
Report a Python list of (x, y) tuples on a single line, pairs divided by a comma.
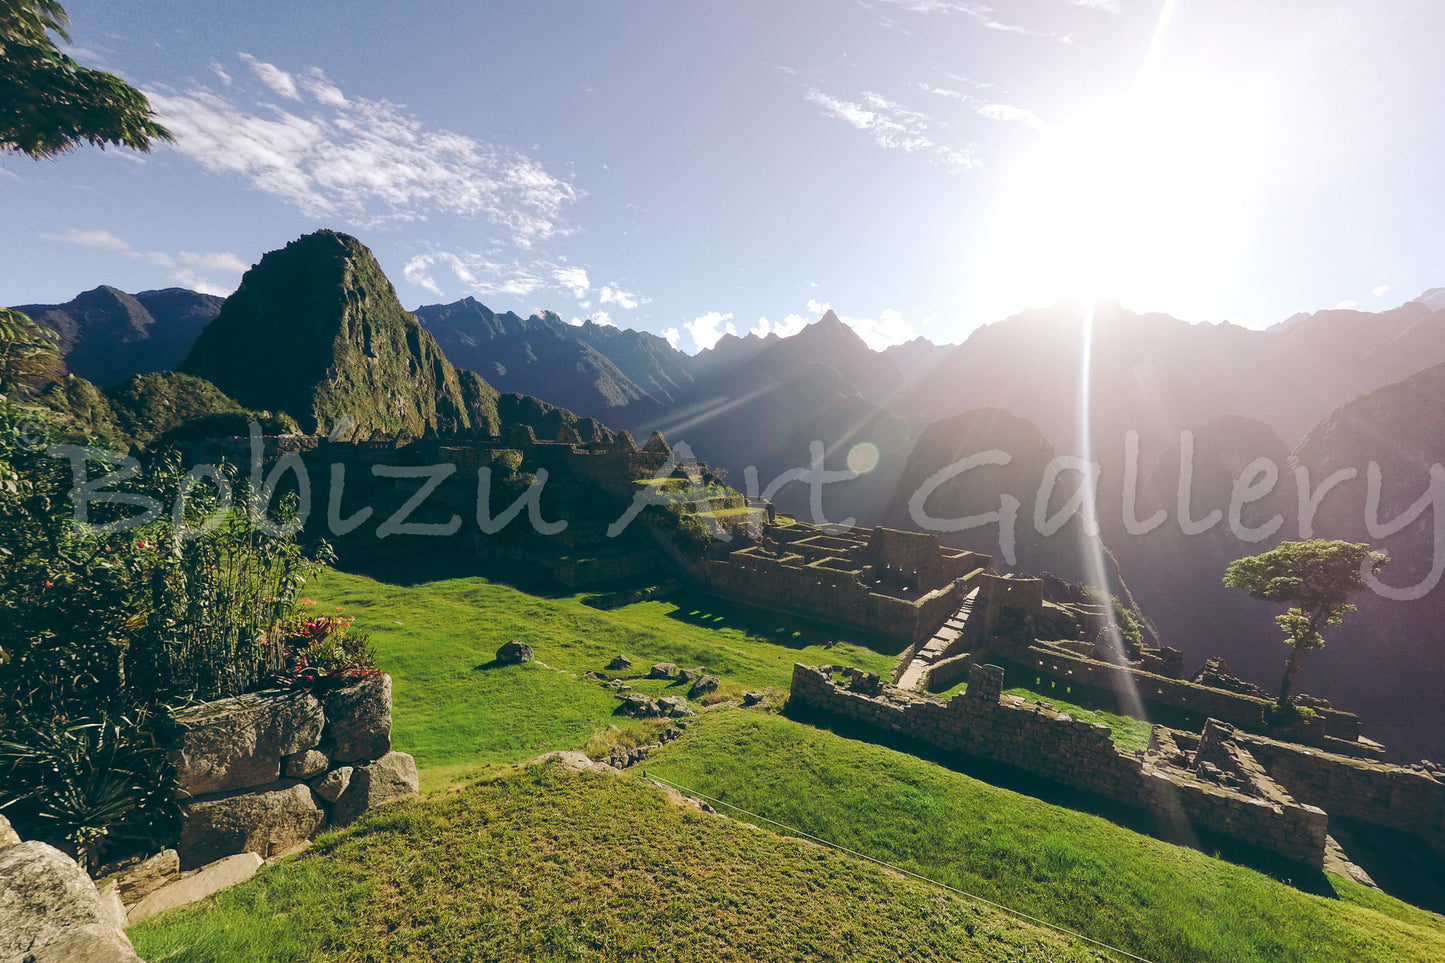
[(891, 584), (263, 773)]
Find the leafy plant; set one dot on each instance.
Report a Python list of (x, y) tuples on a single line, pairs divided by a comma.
[(89, 781), (322, 653)]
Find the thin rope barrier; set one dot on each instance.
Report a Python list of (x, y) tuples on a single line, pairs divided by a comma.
[(798, 833)]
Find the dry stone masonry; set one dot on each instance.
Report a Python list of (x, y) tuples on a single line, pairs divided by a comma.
[(983, 723), (265, 772)]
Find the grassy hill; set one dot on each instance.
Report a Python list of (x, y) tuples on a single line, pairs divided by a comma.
[(546, 865)]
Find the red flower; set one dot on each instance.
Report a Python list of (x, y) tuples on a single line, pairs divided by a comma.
[(48, 584)]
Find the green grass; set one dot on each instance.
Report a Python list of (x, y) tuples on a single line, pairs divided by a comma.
[(550, 865), (456, 718), (1129, 733), (1157, 900)]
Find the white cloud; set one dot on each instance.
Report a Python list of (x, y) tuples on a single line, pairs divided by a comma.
[(672, 336), (818, 307), (367, 159), (1380, 290), (615, 295), (892, 126), (888, 329), (707, 330), (1345, 305), (574, 279), (761, 329), (215, 262), (274, 77), (418, 272), (220, 71), (978, 11), (1010, 114), (790, 326), (602, 318), (1105, 6), (189, 271), (104, 240)]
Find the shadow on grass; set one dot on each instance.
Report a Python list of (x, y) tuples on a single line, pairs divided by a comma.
[(1301, 877), (1399, 863), (709, 612)]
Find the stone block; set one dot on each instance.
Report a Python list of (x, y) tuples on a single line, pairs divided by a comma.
[(263, 821), (139, 878), (663, 670), (304, 765), (209, 879), (358, 720), (393, 776), (239, 742), (52, 911), (330, 786)]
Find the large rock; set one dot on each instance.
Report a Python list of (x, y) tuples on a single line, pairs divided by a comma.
[(264, 822), (209, 879), (330, 786), (234, 743), (8, 836), (358, 720), (393, 776), (638, 706), (308, 763), (514, 653), (51, 911)]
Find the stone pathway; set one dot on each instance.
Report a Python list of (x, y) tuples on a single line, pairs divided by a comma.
[(934, 648)]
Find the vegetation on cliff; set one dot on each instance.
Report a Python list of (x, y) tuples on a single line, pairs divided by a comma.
[(315, 330)]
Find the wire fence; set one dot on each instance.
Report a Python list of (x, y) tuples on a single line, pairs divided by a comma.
[(800, 834)]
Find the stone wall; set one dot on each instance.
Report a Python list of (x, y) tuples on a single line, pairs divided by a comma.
[(264, 772), (1235, 708), (1029, 736), (1410, 799)]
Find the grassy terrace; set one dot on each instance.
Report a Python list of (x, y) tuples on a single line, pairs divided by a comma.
[(549, 865), (435, 628)]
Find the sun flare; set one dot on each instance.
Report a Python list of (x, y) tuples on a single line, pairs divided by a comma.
[(1143, 199)]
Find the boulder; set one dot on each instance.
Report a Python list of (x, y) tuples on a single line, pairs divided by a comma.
[(514, 653), (136, 880), (311, 762), (51, 911), (674, 706), (8, 836), (209, 879), (393, 776), (662, 670), (621, 662), (752, 698), (264, 822), (704, 685), (358, 720), (330, 786), (239, 742), (692, 675), (638, 706)]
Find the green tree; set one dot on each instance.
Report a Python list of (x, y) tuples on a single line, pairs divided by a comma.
[(49, 103), (1315, 578), (27, 352)]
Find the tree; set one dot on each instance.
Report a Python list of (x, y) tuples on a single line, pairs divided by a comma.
[(1315, 577), (49, 103), (27, 353)]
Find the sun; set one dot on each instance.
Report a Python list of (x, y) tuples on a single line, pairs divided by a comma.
[(1143, 199)]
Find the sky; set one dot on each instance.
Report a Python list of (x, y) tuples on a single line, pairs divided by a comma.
[(690, 168)]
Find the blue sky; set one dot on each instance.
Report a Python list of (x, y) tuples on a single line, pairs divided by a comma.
[(921, 166)]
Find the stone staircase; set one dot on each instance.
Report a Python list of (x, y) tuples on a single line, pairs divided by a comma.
[(935, 648)]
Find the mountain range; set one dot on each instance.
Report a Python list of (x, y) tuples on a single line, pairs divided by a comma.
[(1158, 414)]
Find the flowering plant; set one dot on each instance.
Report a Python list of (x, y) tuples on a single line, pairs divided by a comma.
[(321, 652)]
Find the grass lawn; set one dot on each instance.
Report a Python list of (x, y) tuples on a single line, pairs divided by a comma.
[(434, 629), (550, 865), (1157, 900), (554, 866)]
